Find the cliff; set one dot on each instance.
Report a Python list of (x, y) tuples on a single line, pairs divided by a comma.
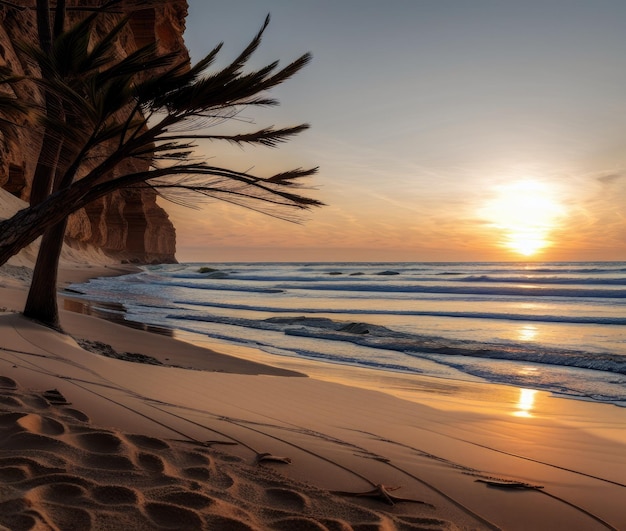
[(128, 224)]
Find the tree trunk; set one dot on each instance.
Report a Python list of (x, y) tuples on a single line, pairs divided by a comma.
[(41, 303), (51, 145), (59, 18), (48, 157)]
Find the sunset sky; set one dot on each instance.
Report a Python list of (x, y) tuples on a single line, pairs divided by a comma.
[(444, 130)]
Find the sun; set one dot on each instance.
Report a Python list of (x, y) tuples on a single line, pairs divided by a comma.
[(524, 213)]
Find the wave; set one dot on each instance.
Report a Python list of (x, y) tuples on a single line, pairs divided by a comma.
[(205, 286), (386, 287), (381, 337), (525, 269), (517, 291), (543, 280), (580, 384), (576, 383), (373, 268), (607, 269), (575, 319), (355, 280)]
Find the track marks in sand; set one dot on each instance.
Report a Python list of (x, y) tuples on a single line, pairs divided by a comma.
[(59, 472)]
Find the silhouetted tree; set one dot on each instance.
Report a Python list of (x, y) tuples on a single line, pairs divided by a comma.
[(147, 108)]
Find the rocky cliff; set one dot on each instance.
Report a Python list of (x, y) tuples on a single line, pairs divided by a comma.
[(128, 224)]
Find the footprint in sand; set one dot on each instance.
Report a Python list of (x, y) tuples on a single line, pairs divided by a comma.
[(154, 464), (7, 400), (64, 493), (74, 414), (114, 495), (8, 420), (13, 474), (148, 443), (170, 516), (10, 522), (50, 479), (30, 467), (102, 442), (197, 459), (232, 524), (65, 517), (36, 402), (287, 499), (301, 524), (185, 498), (26, 440), (199, 473), (43, 425), (108, 462), (7, 383)]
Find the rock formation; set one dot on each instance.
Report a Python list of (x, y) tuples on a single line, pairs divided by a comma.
[(127, 224)]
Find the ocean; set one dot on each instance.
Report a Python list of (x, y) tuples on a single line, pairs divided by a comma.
[(557, 327)]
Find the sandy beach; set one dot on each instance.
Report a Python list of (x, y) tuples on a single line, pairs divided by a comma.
[(226, 438)]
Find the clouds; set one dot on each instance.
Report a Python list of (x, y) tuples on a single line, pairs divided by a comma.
[(611, 179), (419, 112)]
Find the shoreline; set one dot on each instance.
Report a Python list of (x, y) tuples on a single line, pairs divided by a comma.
[(441, 441), (116, 313)]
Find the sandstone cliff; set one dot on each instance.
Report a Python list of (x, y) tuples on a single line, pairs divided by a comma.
[(127, 224)]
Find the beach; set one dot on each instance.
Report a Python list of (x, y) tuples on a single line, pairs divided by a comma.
[(190, 438)]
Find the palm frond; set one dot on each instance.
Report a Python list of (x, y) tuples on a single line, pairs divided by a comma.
[(71, 49), (101, 53), (141, 61), (245, 55), (287, 178), (289, 71), (268, 136), (152, 105)]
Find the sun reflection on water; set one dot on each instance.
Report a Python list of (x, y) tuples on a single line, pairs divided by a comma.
[(527, 333), (525, 403)]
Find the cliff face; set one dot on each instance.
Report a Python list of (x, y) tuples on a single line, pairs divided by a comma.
[(128, 224)]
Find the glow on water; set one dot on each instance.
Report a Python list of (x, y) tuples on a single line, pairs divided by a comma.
[(491, 309)]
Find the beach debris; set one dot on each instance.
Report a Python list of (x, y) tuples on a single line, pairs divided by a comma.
[(509, 484), (72, 290), (263, 457), (223, 443), (54, 397), (103, 349), (381, 493)]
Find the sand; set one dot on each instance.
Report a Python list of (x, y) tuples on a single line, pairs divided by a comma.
[(224, 438)]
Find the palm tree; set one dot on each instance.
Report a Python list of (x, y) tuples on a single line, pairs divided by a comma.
[(146, 108)]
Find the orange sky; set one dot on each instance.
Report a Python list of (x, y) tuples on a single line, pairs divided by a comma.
[(443, 132)]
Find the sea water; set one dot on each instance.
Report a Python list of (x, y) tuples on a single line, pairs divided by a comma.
[(558, 327)]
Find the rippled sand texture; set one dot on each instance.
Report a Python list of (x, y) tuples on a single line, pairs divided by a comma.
[(59, 472)]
